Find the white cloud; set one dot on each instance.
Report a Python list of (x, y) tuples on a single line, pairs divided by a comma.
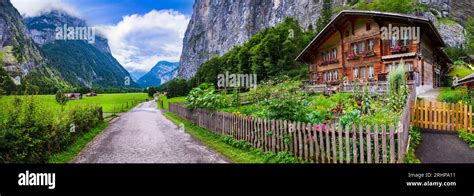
[(32, 8), (138, 42)]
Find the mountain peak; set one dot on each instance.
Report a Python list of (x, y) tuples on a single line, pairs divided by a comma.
[(161, 73)]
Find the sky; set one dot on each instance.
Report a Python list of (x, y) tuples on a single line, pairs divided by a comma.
[(140, 32)]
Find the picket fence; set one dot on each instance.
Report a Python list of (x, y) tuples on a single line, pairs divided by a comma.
[(310, 142), (442, 116)]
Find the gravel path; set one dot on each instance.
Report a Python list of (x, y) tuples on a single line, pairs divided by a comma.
[(144, 135), (444, 148)]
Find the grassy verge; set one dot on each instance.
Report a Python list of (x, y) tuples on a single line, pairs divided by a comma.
[(236, 151), (76, 147), (166, 101), (467, 137), (461, 71), (415, 140)]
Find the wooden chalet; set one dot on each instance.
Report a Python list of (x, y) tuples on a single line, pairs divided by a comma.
[(353, 47)]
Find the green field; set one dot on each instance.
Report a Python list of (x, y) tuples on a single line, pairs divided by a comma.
[(171, 100), (110, 102)]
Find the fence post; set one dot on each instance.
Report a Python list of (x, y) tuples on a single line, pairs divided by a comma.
[(466, 118), (469, 129), (101, 114)]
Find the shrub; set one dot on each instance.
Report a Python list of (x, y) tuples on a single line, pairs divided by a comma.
[(28, 135), (289, 106), (61, 98), (205, 96), (456, 95), (350, 118), (415, 140), (398, 90), (467, 137), (235, 98)]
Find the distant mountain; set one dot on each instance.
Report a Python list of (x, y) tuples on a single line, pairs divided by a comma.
[(82, 63), (136, 75), (161, 73), (22, 65)]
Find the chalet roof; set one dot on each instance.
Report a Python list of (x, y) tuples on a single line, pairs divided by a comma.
[(332, 26)]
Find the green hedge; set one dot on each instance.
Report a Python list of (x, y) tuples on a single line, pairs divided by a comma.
[(30, 131)]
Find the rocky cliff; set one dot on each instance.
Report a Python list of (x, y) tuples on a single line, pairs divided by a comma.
[(217, 26), (23, 66), (18, 53)]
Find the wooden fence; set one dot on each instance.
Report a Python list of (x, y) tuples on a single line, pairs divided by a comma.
[(442, 116), (310, 142)]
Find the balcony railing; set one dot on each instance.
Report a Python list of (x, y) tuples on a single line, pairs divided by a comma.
[(376, 87)]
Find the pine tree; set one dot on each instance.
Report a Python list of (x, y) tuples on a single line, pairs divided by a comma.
[(325, 16), (470, 35)]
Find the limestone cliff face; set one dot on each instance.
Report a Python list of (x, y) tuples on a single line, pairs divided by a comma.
[(217, 26), (19, 55)]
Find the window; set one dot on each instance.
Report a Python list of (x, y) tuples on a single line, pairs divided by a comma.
[(406, 40), (367, 26), (336, 75), (360, 47), (325, 77), (394, 41), (409, 66), (330, 76), (334, 53), (371, 71), (370, 45), (362, 72), (356, 72), (389, 67)]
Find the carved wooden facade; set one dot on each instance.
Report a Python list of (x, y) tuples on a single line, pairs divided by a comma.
[(352, 46)]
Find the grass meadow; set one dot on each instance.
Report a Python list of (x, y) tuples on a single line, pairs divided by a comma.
[(111, 103)]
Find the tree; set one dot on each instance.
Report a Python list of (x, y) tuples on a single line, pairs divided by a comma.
[(469, 26), (455, 53), (7, 86), (61, 99), (243, 57), (325, 16), (397, 6), (83, 90)]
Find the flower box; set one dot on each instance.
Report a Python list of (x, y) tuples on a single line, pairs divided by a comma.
[(396, 49), (399, 49), (327, 62), (333, 61), (352, 56), (368, 53)]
